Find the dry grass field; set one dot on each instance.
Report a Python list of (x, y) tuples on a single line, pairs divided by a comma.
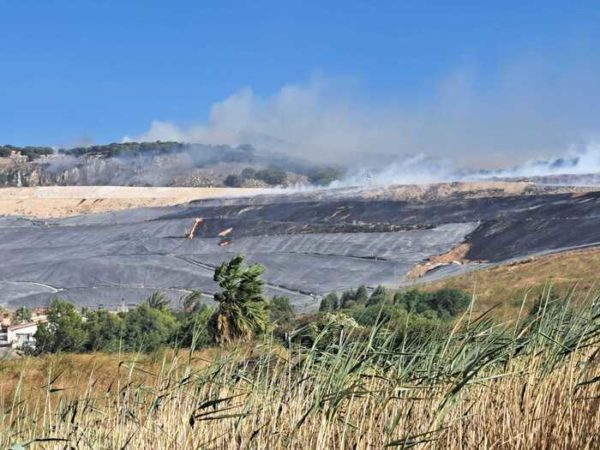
[(531, 383), (505, 286)]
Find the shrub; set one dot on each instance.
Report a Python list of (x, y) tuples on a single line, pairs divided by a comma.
[(194, 331), (361, 296), (444, 302), (329, 303), (330, 329), (248, 173), (104, 331), (376, 314), (64, 332), (233, 180), (281, 310), (449, 301), (348, 299), (148, 328), (272, 176), (378, 296), (324, 176), (23, 314)]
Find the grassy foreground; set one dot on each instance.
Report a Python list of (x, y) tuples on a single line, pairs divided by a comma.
[(533, 382)]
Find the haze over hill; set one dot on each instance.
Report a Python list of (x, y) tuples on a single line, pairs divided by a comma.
[(199, 165)]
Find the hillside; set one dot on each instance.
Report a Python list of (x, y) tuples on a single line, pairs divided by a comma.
[(505, 286), (156, 164)]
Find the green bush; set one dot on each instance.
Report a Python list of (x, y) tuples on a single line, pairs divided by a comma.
[(347, 299), (148, 328), (361, 296), (23, 314), (272, 176), (379, 295), (375, 314), (64, 332), (104, 330), (324, 176), (248, 173), (281, 310), (233, 180), (449, 301), (329, 329), (444, 302), (194, 332), (329, 303)]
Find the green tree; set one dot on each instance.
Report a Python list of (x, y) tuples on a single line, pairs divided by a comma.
[(362, 295), (243, 311), (378, 296), (272, 176), (194, 331), (64, 332), (443, 303), (324, 176), (450, 301), (248, 173), (233, 180), (347, 299), (329, 303), (104, 330), (330, 329), (410, 299), (281, 310), (23, 314), (148, 328), (376, 314)]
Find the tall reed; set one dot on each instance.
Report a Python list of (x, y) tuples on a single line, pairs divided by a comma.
[(531, 383)]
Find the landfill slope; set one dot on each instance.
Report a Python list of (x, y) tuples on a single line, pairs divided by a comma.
[(310, 246)]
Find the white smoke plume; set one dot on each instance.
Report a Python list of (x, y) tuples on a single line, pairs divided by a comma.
[(419, 169), (518, 118)]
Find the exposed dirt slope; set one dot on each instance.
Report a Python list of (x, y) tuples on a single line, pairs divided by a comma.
[(455, 256), (474, 189), (63, 201)]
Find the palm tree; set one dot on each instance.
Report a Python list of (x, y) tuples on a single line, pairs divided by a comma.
[(158, 300), (243, 311), (192, 302)]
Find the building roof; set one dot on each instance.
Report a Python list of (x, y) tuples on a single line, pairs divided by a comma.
[(23, 325)]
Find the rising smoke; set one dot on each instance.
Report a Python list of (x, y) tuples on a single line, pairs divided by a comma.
[(527, 112), (419, 169)]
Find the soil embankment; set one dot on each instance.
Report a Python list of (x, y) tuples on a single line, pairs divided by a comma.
[(64, 201)]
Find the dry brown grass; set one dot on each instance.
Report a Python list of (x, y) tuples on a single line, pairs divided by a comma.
[(478, 389), (505, 286), (75, 371)]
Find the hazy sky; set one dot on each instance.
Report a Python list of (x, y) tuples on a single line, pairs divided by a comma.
[(484, 82)]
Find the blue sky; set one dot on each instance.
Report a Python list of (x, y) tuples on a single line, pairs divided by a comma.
[(73, 71)]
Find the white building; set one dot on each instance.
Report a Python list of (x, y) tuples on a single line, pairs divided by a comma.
[(17, 336)]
